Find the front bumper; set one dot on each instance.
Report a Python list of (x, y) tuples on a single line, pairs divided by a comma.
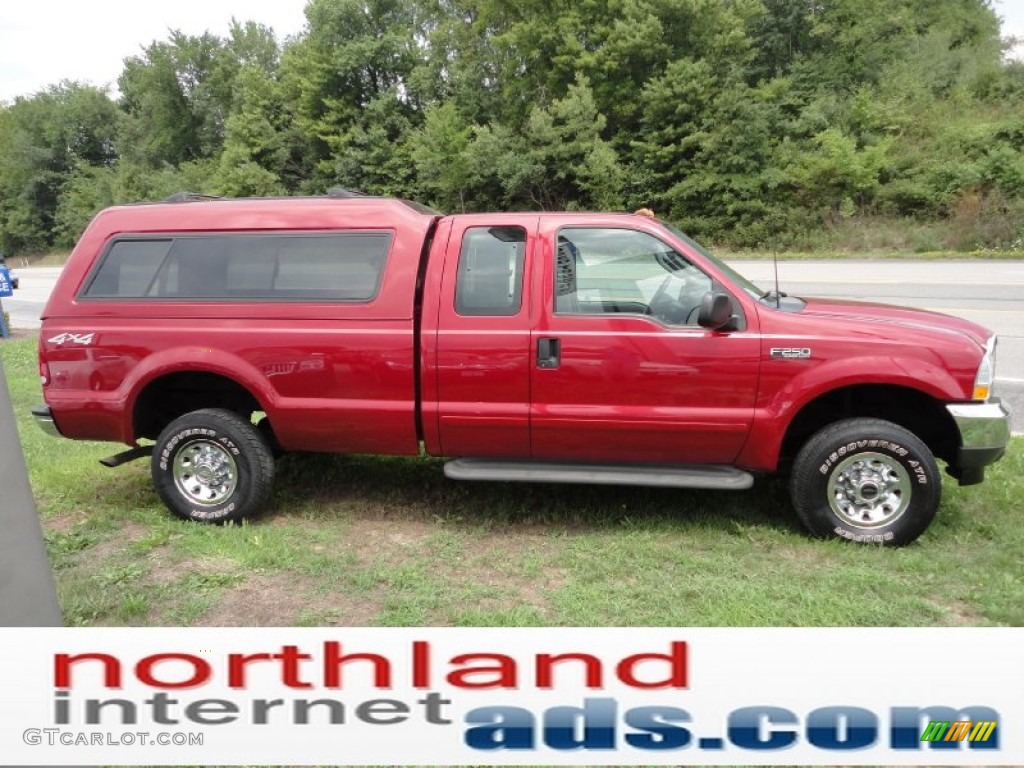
[(44, 418), (984, 435)]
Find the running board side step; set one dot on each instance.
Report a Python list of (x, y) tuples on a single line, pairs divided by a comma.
[(709, 476), (125, 456)]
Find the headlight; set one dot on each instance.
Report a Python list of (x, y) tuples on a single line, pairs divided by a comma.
[(986, 372)]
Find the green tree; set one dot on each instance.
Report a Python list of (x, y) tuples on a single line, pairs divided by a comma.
[(567, 162), (440, 149), (255, 154), (746, 121), (86, 192), (347, 85), (44, 141)]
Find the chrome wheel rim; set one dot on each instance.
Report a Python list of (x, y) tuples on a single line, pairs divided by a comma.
[(869, 490), (205, 473)]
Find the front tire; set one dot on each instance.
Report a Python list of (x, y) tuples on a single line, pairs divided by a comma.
[(866, 480), (212, 466)]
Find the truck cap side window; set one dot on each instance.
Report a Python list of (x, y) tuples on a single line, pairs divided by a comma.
[(244, 267), (604, 271), (129, 268), (490, 275)]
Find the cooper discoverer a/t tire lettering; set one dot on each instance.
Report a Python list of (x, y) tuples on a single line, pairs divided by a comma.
[(866, 480), (212, 466)]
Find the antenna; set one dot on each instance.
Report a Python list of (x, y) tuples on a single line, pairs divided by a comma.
[(775, 263)]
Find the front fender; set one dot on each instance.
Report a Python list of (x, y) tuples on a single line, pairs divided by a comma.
[(778, 405)]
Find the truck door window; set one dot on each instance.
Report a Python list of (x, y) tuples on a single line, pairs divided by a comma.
[(490, 275), (605, 271)]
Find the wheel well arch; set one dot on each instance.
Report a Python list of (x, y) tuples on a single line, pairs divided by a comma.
[(910, 408), (167, 397)]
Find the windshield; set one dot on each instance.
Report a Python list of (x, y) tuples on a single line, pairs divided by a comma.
[(733, 275)]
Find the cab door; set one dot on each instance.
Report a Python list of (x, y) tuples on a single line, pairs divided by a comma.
[(620, 370), (478, 403)]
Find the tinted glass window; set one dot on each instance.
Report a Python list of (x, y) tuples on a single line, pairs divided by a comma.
[(129, 268), (605, 271), (337, 267), (490, 276)]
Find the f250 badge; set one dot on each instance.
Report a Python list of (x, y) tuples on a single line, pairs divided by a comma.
[(73, 338), (791, 353)]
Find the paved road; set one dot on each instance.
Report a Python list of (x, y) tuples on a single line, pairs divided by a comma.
[(988, 292), (28, 301)]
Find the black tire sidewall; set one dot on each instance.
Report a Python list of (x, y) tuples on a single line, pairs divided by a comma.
[(214, 427), (816, 464)]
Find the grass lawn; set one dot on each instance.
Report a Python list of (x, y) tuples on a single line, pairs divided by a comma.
[(381, 541)]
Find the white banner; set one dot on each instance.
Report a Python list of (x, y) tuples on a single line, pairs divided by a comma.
[(169, 696)]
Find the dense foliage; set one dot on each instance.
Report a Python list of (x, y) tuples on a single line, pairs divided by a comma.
[(747, 122)]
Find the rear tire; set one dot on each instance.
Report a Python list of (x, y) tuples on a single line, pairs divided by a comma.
[(212, 466), (866, 480)]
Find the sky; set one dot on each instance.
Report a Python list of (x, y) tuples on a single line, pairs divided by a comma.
[(1012, 14), (45, 41)]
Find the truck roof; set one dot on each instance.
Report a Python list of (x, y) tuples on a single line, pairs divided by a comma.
[(201, 212)]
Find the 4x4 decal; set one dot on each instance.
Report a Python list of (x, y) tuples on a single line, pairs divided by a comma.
[(74, 338)]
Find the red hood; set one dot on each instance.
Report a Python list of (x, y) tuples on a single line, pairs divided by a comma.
[(918, 320)]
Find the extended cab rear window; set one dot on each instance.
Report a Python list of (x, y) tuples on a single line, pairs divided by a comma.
[(490, 275), (243, 267)]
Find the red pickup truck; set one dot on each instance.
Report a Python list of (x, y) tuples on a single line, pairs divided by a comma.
[(554, 347)]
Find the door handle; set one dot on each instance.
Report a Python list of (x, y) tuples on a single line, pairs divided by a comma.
[(549, 353)]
